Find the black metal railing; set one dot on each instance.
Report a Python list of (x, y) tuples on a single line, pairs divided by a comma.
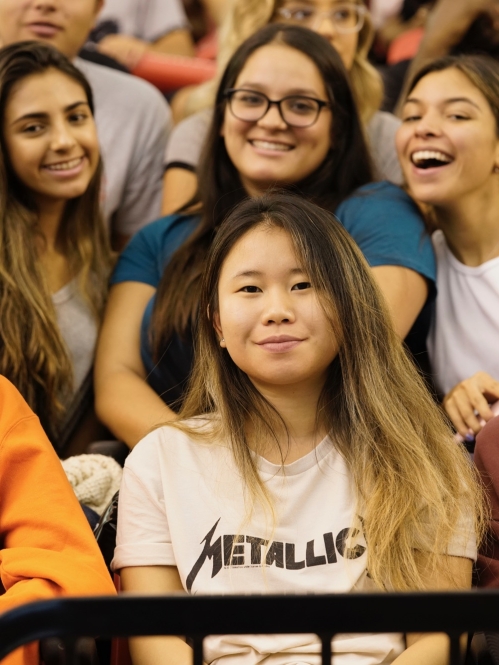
[(200, 616)]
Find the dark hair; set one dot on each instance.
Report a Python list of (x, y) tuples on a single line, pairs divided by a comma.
[(33, 354), (481, 70), (346, 167)]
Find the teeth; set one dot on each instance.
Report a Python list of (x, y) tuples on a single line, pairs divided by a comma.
[(65, 166), (423, 155), (267, 145)]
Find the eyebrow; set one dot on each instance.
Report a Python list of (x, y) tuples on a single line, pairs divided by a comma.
[(307, 92), (40, 115), (451, 100), (259, 273)]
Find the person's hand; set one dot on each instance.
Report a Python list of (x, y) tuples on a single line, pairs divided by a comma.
[(123, 48), (468, 403)]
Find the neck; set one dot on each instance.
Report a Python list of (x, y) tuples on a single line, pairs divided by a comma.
[(470, 226), (297, 406), (49, 220)]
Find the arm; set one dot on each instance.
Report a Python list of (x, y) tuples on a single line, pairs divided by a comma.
[(48, 549), (129, 50), (179, 186), (473, 394), (433, 649), (123, 399), (405, 292), (151, 580)]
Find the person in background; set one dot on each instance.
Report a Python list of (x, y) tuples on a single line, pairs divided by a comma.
[(347, 26), (452, 27), (55, 257), (132, 117), (47, 549), (127, 29), (448, 146), (308, 433), (284, 116)]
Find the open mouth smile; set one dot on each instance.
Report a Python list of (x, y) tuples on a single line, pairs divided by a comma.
[(65, 166), (429, 159), (274, 146)]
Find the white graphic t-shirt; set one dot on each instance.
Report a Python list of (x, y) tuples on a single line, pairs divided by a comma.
[(182, 504)]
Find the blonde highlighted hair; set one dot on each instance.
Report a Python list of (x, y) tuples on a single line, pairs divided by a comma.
[(33, 354), (245, 17), (413, 483)]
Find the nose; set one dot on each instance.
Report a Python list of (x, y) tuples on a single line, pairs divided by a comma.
[(62, 139), (427, 125), (272, 119), (45, 5), (324, 25), (278, 308)]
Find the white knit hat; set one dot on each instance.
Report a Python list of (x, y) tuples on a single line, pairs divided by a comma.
[(94, 478)]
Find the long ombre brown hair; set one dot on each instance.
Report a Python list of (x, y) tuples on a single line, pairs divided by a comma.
[(33, 354), (413, 483), (346, 167)]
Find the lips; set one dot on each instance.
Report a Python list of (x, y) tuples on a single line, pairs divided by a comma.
[(280, 343), (44, 29)]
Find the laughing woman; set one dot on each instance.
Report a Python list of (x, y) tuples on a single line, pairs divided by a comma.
[(54, 253), (448, 145)]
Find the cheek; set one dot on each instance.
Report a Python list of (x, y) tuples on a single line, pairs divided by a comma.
[(401, 139)]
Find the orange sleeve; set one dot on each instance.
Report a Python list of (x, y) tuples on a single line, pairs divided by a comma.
[(48, 548)]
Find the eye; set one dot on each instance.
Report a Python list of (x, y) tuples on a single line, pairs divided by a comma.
[(78, 117), (301, 286), (458, 116), (301, 105), (297, 13), (343, 15), (411, 118), (33, 128), (248, 98), (250, 289)]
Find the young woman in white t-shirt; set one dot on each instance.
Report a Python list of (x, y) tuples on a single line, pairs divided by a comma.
[(54, 251), (448, 146), (308, 456)]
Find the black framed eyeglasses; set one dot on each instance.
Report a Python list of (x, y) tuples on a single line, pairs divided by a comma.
[(296, 110), (347, 17)]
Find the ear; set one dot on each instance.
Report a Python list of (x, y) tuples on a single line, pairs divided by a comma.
[(217, 325)]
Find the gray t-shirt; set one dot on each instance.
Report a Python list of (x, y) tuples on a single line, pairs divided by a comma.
[(187, 139), (78, 328), (133, 122), (146, 19)]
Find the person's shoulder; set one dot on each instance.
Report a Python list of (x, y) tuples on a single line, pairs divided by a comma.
[(383, 122), (122, 88), (184, 439), (166, 230), (198, 121), (376, 196), (13, 407)]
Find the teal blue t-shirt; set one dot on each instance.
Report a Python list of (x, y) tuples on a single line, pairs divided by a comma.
[(383, 220)]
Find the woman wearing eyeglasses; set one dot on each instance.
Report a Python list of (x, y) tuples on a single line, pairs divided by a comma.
[(345, 24), (284, 116)]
